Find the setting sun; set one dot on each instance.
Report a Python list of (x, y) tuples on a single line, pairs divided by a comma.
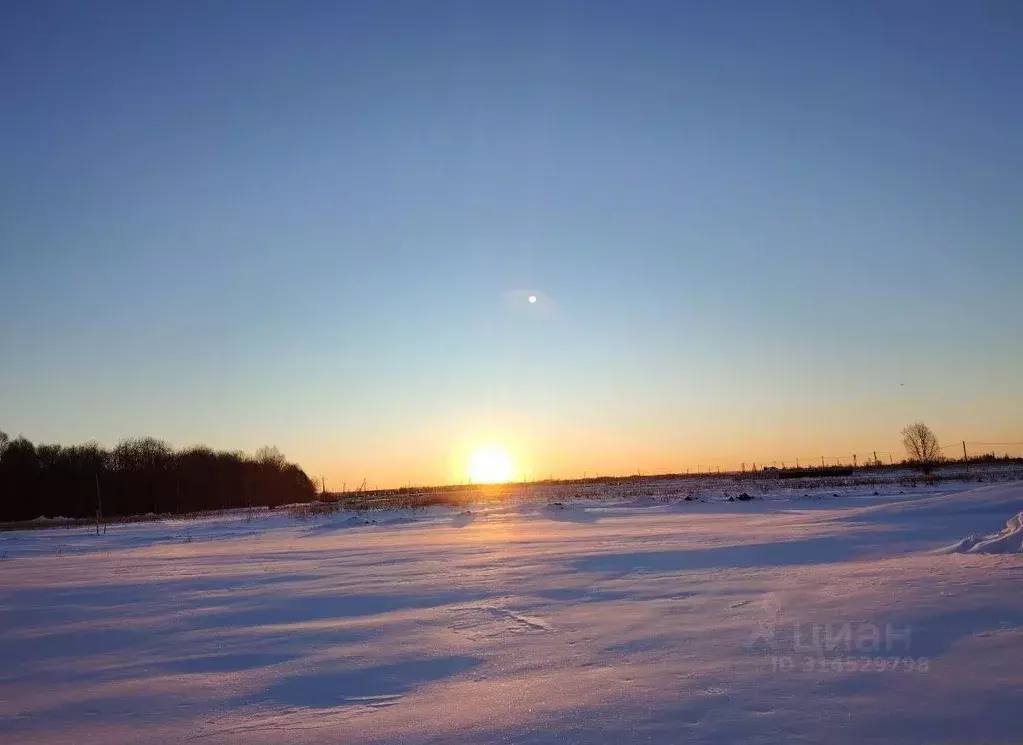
[(491, 465)]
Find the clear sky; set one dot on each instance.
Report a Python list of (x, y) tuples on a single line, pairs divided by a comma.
[(755, 230)]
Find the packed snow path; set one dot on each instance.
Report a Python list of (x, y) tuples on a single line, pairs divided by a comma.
[(771, 621)]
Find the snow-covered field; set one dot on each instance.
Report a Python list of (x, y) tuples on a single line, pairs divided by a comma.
[(790, 618)]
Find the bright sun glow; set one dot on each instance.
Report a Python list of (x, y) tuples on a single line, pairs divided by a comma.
[(491, 465)]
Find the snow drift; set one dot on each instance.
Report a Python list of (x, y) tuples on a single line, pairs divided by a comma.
[(1008, 541)]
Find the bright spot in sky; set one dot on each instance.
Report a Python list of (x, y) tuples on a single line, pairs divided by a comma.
[(491, 465), (532, 298)]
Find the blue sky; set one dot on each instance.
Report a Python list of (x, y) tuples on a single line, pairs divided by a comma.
[(754, 229)]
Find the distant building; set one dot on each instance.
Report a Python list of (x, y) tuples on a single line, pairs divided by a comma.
[(770, 472)]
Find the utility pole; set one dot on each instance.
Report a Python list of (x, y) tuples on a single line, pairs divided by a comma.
[(854, 460), (875, 458), (822, 461), (964, 452)]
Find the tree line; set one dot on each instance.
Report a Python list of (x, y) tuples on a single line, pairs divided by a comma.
[(139, 476)]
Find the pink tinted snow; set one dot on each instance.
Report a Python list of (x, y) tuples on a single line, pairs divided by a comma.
[(775, 620)]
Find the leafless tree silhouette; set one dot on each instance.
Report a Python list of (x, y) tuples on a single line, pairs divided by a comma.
[(921, 445)]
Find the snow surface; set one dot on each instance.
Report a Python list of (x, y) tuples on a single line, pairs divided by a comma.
[(798, 620), (1008, 541)]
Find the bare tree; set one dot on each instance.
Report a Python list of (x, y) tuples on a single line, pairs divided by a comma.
[(271, 456), (921, 445)]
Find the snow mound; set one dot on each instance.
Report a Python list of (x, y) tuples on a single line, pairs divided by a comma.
[(400, 520), (567, 512), (642, 502), (462, 519), (1008, 541)]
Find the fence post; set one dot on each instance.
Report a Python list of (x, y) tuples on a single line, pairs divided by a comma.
[(99, 503)]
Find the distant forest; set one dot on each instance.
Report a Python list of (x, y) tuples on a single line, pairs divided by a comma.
[(139, 476)]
